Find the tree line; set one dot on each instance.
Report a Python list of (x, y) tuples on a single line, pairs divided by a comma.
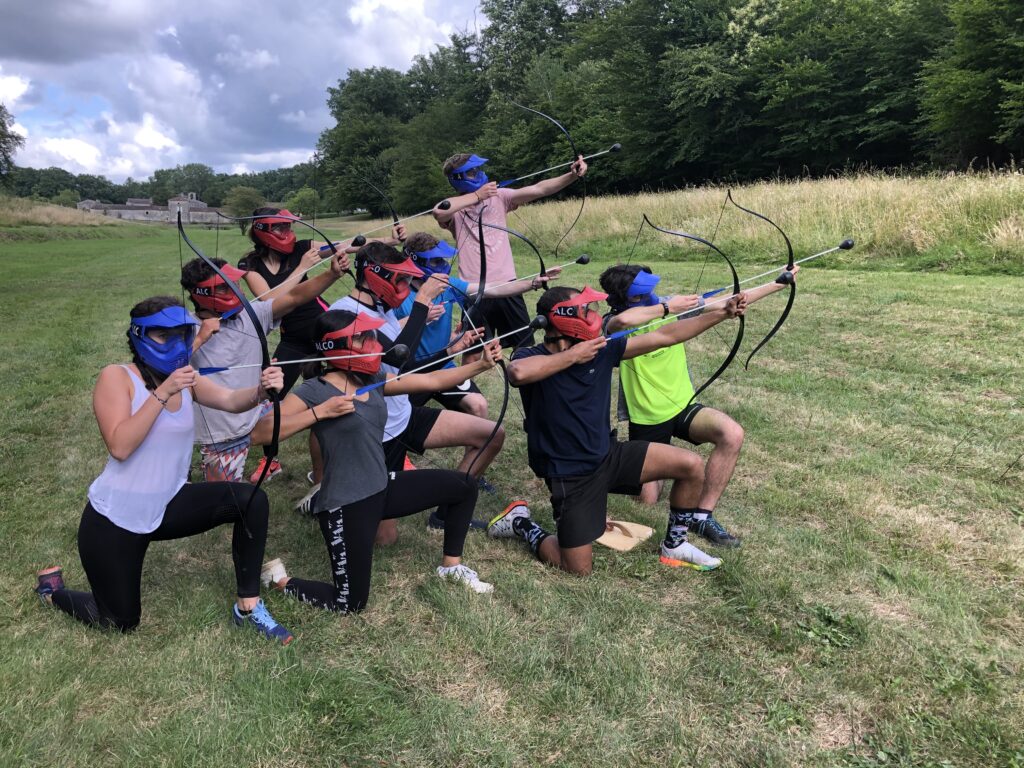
[(695, 90)]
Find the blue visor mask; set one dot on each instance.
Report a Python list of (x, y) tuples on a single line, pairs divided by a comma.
[(172, 354), (643, 287), (465, 182), (431, 261)]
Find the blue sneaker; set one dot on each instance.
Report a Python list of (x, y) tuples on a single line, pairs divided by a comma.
[(259, 618), (47, 584), (712, 530)]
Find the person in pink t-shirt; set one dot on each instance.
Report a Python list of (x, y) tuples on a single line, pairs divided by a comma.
[(481, 197)]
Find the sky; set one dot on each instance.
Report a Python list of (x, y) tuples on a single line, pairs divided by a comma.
[(120, 88)]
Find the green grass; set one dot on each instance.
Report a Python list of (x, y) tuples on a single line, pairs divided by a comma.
[(872, 617)]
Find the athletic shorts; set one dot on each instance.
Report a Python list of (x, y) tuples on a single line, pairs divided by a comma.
[(664, 432), (504, 315), (450, 399), (413, 437), (224, 462), (580, 504)]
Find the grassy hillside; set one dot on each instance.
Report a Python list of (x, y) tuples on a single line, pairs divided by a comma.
[(873, 616)]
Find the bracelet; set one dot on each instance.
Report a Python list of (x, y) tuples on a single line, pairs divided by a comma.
[(313, 409), (664, 306), (163, 403)]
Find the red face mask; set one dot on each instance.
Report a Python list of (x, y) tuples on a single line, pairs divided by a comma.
[(346, 347), (267, 231), (208, 297), (572, 318), (390, 282)]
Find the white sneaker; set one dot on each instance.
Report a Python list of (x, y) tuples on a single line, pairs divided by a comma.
[(273, 572), (305, 506), (500, 527), (465, 575), (688, 555)]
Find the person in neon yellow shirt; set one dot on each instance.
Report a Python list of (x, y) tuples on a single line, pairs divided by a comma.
[(658, 390)]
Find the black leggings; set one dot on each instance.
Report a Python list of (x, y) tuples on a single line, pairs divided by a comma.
[(349, 532), (112, 557)]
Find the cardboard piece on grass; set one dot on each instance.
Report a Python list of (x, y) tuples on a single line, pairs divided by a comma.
[(622, 536)]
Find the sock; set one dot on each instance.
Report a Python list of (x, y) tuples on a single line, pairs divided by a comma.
[(702, 514), (530, 532), (679, 520)]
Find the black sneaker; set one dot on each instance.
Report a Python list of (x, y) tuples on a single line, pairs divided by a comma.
[(714, 531), (435, 523)]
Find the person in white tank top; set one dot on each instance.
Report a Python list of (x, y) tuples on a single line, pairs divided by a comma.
[(145, 415)]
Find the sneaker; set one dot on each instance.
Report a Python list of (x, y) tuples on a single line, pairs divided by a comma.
[(688, 555), (273, 572), (408, 466), (501, 526), (261, 621), (486, 487), (275, 469), (47, 584), (465, 575), (712, 530), (308, 502)]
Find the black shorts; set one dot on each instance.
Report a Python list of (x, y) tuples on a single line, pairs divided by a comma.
[(504, 315), (449, 399), (412, 438), (664, 432), (580, 504)]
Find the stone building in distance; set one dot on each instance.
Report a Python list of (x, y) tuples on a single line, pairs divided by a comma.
[(193, 210)]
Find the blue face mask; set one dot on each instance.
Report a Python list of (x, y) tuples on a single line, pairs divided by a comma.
[(172, 354), (465, 182), (431, 261), (642, 290)]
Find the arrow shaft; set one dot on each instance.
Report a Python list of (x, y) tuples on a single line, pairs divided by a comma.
[(552, 168)]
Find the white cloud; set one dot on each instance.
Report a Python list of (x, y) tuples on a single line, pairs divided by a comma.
[(20, 129), (242, 59), (152, 137), (12, 88), (75, 151)]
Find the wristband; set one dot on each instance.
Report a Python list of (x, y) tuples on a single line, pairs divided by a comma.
[(163, 403), (313, 409), (664, 307)]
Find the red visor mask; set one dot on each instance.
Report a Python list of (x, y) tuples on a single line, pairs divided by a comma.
[(263, 231), (206, 295), (572, 318), (337, 345), (390, 282)]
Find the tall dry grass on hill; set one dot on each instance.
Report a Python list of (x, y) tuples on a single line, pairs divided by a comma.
[(970, 222), (19, 212)]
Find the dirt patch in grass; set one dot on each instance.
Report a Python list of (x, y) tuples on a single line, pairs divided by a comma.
[(836, 730)]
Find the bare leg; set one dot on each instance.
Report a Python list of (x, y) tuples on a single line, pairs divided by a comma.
[(453, 428), (474, 404), (683, 467), (717, 428)]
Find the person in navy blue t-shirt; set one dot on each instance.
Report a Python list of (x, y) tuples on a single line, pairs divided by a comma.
[(565, 384)]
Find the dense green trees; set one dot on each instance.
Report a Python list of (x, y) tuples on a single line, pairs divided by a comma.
[(693, 89)]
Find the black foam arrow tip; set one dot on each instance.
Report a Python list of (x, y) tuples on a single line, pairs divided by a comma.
[(444, 205), (540, 321), (358, 241), (584, 259), (846, 244), (615, 147)]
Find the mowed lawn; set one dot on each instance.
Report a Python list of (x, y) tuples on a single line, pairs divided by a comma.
[(874, 615)]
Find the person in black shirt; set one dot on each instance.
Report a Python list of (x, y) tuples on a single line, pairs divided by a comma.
[(566, 389)]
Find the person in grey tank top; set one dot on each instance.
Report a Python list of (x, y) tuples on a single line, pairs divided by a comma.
[(145, 415), (346, 411)]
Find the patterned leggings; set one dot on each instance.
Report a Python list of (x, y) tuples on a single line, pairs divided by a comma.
[(349, 532)]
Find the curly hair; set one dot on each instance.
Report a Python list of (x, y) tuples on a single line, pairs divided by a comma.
[(615, 281), (453, 162), (418, 242), (197, 270)]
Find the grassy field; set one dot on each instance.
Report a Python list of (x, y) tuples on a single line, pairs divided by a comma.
[(873, 617)]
